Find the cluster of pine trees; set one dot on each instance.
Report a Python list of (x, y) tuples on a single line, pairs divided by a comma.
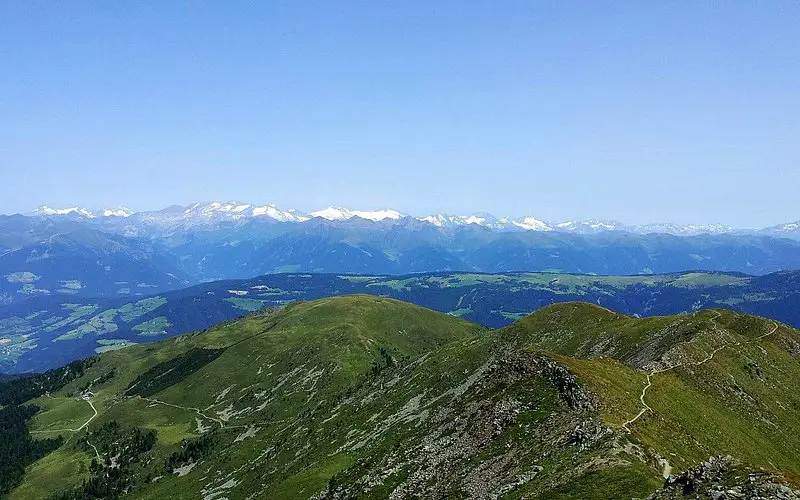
[(17, 448), (121, 450), (20, 390), (171, 372), (191, 452)]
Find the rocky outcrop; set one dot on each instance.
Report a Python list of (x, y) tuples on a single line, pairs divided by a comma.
[(567, 385), (489, 439), (515, 365), (722, 478)]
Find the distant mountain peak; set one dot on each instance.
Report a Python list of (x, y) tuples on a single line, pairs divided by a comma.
[(273, 212), (86, 213), (486, 220), (684, 229), (782, 230), (378, 215), (214, 208), (532, 224), (590, 226), (77, 211), (442, 220), (333, 213), (339, 213), (117, 212), (238, 210)]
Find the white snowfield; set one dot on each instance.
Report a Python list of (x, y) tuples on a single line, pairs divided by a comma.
[(338, 213), (274, 212), (532, 224), (80, 211), (590, 226), (117, 212), (207, 212)]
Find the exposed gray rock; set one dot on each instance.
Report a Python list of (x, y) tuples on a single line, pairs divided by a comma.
[(722, 478)]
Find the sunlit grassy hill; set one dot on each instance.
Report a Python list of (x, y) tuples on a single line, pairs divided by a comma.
[(368, 396), (715, 382)]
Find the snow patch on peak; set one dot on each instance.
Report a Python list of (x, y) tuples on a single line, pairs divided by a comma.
[(378, 215), (192, 207), (485, 220), (229, 207), (117, 212), (238, 208), (532, 224), (333, 213), (234, 210), (442, 220), (276, 213), (790, 226), (338, 213), (684, 230), (80, 211), (436, 220), (473, 219), (589, 226), (216, 209)]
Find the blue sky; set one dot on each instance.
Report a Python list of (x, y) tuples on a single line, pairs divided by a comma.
[(688, 112)]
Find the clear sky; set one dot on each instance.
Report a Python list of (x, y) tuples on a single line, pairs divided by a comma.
[(686, 112)]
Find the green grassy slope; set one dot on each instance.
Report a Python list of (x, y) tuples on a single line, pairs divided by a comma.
[(720, 383), (276, 370), (373, 397)]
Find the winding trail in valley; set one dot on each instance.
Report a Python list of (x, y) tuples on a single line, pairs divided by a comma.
[(193, 410), (90, 418), (646, 407), (97, 453), (72, 430)]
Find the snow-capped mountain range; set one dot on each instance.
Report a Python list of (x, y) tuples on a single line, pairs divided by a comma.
[(338, 213), (199, 213)]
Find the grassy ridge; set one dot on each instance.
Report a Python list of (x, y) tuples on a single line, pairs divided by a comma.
[(371, 396), (722, 381)]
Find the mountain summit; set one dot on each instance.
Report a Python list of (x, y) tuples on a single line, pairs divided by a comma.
[(74, 211), (338, 213)]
